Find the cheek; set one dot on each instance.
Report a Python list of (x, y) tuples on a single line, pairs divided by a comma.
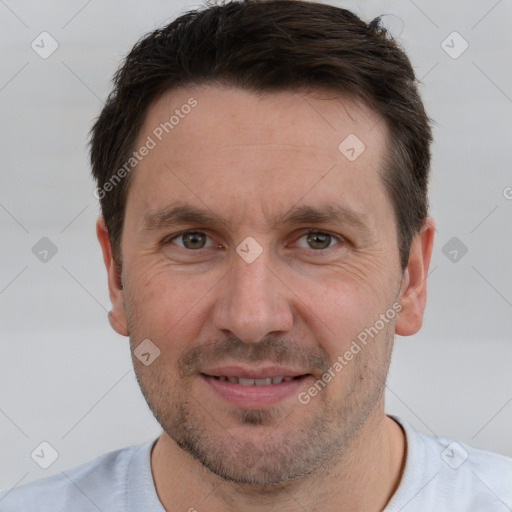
[(341, 306), (166, 306)]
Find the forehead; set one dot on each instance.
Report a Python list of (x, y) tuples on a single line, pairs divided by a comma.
[(316, 119), (232, 149)]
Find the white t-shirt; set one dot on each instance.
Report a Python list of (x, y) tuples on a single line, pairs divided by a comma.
[(440, 475)]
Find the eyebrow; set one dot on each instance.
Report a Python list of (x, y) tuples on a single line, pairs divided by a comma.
[(336, 213), (182, 213)]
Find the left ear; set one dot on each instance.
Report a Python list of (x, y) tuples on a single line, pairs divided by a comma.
[(117, 315), (413, 290)]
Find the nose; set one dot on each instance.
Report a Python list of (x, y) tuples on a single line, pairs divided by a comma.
[(253, 301)]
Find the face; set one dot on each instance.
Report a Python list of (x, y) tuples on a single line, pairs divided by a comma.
[(255, 254)]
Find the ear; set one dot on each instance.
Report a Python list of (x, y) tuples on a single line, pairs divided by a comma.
[(413, 290), (117, 316)]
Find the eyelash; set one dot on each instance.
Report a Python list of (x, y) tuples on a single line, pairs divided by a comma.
[(334, 237)]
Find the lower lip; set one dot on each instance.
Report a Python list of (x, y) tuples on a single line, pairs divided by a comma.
[(255, 397)]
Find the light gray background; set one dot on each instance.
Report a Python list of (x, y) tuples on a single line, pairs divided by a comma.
[(66, 377)]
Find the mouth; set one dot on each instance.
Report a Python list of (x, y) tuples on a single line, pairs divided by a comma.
[(254, 389), (255, 382)]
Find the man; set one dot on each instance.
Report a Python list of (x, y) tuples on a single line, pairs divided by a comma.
[(262, 169)]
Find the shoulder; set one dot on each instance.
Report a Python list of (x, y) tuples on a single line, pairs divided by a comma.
[(96, 485), (444, 474)]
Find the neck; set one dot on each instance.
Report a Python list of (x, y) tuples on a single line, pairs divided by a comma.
[(362, 478)]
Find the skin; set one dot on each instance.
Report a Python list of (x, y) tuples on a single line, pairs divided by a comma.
[(251, 158)]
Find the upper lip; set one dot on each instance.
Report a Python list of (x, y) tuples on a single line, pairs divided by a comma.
[(263, 372)]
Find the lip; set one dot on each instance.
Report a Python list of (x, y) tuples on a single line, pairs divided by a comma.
[(263, 372), (254, 397)]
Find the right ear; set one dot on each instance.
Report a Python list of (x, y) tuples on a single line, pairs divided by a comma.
[(117, 316)]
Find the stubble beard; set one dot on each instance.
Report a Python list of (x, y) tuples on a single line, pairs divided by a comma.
[(283, 454)]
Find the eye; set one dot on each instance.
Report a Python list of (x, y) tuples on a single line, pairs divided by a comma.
[(318, 240), (197, 240), (192, 240)]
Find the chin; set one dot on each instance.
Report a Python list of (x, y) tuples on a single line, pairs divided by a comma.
[(259, 451)]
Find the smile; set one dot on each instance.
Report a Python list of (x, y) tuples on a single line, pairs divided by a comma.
[(254, 382), (246, 389)]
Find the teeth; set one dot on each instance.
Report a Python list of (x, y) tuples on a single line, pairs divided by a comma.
[(246, 382), (262, 382), (254, 382)]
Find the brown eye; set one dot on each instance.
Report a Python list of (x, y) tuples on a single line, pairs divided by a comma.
[(191, 240), (319, 240)]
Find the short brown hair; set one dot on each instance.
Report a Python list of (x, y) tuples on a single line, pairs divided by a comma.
[(265, 46)]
